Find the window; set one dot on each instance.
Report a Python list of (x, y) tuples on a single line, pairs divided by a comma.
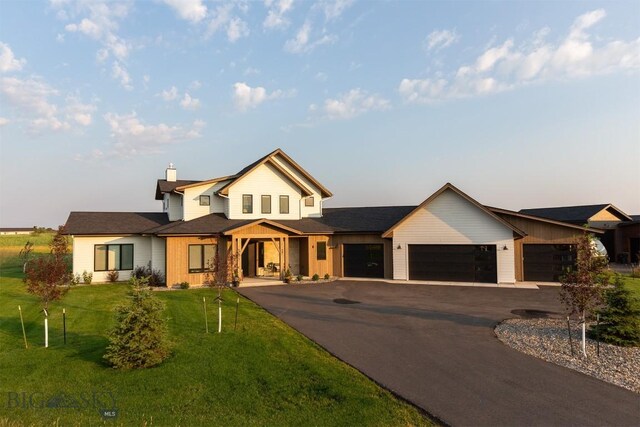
[(308, 201), (247, 203), (113, 257), (205, 200), (266, 204), (284, 204), (201, 258), (321, 251)]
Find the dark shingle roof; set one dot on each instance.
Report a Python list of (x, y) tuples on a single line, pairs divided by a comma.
[(91, 223), (209, 224), (572, 214), (364, 219), (165, 186)]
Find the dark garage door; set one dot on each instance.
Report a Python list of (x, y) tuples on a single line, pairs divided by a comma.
[(363, 260), (455, 263), (546, 263)]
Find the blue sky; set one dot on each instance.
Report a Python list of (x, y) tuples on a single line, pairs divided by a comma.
[(520, 104)]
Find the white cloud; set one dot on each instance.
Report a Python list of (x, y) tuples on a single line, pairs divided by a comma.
[(189, 103), (131, 136), (250, 71), (78, 111), (509, 65), (190, 10), (277, 9), (441, 39), (301, 42), (333, 9), (8, 61), (352, 104), (237, 29), (4, 121), (321, 77), (170, 94), (120, 73), (195, 85), (246, 97)]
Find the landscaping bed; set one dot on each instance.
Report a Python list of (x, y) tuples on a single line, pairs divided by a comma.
[(547, 339)]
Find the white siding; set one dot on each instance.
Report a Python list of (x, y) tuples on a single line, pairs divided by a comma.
[(264, 180), (316, 210), (174, 202), (450, 219), (158, 257), (83, 253), (192, 208)]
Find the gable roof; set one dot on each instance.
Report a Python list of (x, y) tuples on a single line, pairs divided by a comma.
[(269, 159), (507, 212), (574, 214), (208, 181), (163, 186), (113, 223), (449, 186)]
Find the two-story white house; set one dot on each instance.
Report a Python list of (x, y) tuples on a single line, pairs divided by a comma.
[(269, 217)]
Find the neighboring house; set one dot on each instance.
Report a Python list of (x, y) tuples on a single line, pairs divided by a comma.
[(9, 230), (270, 216), (621, 232)]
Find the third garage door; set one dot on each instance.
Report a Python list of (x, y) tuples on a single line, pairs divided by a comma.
[(362, 260), (455, 263)]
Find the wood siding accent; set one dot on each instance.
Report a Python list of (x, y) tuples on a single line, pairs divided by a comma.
[(605, 215), (178, 259), (537, 232), (338, 241), (315, 266), (259, 230)]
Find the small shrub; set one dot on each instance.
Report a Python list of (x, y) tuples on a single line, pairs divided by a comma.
[(183, 285), (87, 277), (139, 337), (154, 277), (76, 279), (315, 277), (620, 318), (299, 278), (327, 277), (113, 275)]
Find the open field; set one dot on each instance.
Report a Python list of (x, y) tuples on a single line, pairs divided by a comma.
[(264, 373)]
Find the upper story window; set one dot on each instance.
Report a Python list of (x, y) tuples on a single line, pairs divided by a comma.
[(309, 201), (201, 258), (284, 204), (321, 248), (113, 257), (247, 203), (266, 204), (205, 200)]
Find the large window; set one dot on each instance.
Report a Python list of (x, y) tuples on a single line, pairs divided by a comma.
[(322, 251), (309, 201), (205, 200), (247, 203), (284, 204), (201, 258), (266, 204), (113, 257)]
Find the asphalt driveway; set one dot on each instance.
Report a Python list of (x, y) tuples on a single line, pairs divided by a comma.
[(435, 347)]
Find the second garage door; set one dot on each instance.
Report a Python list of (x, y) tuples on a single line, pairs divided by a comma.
[(362, 260), (456, 263), (547, 263)]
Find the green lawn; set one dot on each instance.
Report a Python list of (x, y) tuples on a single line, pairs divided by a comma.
[(264, 373), (632, 283)]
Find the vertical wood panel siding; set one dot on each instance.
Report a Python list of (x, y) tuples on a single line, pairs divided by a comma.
[(265, 180), (450, 219), (83, 254), (178, 259), (315, 266)]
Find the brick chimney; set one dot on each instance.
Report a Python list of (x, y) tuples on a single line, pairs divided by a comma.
[(171, 175)]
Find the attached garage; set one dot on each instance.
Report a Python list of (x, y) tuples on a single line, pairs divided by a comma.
[(455, 263), (547, 263), (364, 260)]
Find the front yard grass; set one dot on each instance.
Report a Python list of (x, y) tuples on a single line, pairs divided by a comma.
[(265, 373)]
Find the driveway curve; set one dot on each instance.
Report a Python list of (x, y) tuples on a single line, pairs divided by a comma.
[(435, 347)]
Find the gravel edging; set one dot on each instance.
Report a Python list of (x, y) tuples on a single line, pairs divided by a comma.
[(547, 339)]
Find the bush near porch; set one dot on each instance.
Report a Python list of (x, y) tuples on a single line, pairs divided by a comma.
[(265, 373)]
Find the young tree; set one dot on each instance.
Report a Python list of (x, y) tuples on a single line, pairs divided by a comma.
[(139, 339), (620, 317), (581, 290), (25, 255)]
